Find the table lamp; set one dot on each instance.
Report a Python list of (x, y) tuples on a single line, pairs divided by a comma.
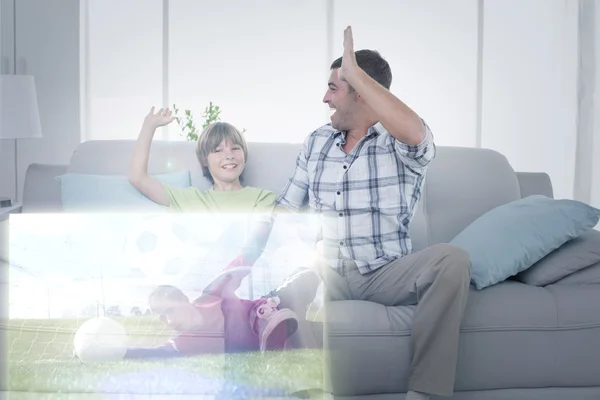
[(19, 115)]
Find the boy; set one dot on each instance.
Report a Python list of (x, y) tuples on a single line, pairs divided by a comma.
[(222, 153)]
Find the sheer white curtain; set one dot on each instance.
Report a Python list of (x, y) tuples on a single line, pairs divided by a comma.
[(595, 198), (530, 68), (123, 43), (266, 64), (263, 63), (587, 184), (432, 49)]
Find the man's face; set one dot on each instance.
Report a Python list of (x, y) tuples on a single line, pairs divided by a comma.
[(342, 102), (226, 162), (181, 316)]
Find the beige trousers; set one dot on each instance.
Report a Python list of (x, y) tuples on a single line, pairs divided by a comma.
[(437, 280)]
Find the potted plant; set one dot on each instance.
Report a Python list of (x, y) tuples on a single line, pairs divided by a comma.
[(212, 113), (187, 124)]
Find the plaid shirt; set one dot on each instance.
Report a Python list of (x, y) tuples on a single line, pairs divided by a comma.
[(366, 198)]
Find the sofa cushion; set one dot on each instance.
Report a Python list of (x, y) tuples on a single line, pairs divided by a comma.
[(511, 238), (590, 274), (575, 255), (88, 192)]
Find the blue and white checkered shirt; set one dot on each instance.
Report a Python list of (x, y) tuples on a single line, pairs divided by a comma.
[(366, 198)]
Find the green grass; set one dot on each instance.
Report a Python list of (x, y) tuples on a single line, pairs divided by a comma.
[(41, 360), (52, 339)]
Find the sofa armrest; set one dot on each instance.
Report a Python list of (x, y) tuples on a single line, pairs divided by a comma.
[(532, 183), (41, 192)]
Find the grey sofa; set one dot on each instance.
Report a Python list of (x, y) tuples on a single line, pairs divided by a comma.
[(517, 341)]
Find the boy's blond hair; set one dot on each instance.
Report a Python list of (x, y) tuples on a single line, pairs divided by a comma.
[(211, 138)]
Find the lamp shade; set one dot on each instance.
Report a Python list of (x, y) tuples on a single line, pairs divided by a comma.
[(19, 114)]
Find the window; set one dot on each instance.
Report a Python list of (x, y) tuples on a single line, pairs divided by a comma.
[(432, 49), (266, 64)]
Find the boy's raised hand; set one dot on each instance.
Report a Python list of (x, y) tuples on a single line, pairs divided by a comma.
[(163, 117)]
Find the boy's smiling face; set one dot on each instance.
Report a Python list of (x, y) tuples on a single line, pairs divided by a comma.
[(226, 162)]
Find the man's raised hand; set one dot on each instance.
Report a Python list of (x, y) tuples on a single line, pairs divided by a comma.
[(163, 117), (348, 58)]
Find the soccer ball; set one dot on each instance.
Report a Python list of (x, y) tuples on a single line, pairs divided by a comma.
[(100, 339), (161, 247)]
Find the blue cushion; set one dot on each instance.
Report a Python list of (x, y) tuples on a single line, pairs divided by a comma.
[(511, 238), (87, 192)]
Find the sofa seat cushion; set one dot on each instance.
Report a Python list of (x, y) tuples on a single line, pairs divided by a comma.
[(512, 335)]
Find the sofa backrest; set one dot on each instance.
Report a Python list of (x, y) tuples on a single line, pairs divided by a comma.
[(269, 164), (461, 184)]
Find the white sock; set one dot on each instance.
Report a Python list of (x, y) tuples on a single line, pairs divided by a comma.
[(416, 396)]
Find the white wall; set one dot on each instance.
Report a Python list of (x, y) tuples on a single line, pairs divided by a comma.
[(48, 40), (7, 147), (47, 43)]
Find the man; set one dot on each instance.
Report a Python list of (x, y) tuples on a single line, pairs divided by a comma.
[(363, 173)]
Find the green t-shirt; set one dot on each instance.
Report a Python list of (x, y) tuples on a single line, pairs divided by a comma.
[(247, 200)]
